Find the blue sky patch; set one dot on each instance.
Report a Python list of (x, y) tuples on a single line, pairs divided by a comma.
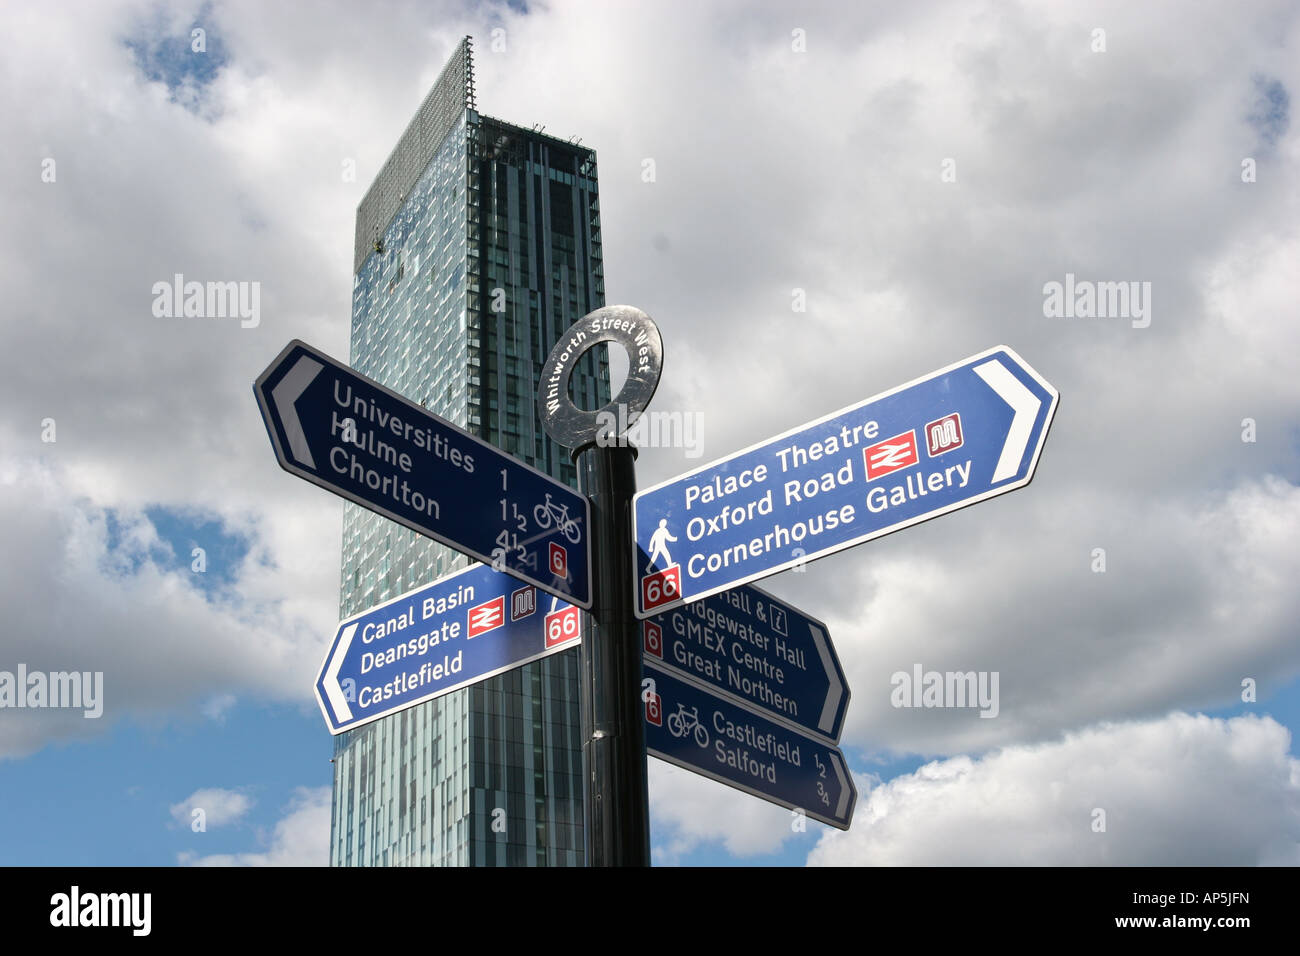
[(185, 61), (1270, 114), (222, 551)]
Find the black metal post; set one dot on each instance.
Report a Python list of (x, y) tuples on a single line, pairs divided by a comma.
[(617, 814)]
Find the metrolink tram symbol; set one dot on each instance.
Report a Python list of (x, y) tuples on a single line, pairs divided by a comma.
[(356, 438), (965, 433)]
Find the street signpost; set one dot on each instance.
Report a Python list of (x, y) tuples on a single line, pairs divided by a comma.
[(696, 729), (358, 439), (752, 648), (735, 684), (461, 629), (960, 435)]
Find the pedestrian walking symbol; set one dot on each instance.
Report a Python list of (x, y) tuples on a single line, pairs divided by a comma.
[(658, 547)]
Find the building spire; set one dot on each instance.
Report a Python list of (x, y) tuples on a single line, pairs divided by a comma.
[(467, 51), (451, 95)]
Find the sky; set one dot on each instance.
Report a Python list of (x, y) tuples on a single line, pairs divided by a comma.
[(816, 203)]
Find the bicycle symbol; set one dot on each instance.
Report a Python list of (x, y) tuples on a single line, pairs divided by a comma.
[(548, 511), (683, 722)]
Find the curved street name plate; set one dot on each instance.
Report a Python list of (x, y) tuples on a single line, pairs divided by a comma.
[(570, 425)]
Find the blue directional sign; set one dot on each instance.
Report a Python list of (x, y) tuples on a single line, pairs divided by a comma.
[(693, 728), (957, 436), (356, 438), (757, 650), (461, 629)]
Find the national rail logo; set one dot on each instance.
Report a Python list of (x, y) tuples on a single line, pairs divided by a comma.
[(486, 617), (891, 455)]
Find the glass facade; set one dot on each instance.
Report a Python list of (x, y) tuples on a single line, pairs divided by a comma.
[(477, 246)]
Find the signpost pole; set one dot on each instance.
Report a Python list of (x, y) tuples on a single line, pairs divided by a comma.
[(617, 800), (613, 733)]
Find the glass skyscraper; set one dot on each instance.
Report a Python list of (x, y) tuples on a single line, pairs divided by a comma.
[(477, 245)]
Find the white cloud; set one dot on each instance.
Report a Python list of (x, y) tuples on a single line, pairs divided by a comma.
[(219, 806), (216, 707), (688, 811), (300, 838), (1180, 791)]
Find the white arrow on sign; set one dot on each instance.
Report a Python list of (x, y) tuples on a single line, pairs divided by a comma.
[(845, 790), (836, 690), (342, 712), (1023, 403), (284, 395)]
